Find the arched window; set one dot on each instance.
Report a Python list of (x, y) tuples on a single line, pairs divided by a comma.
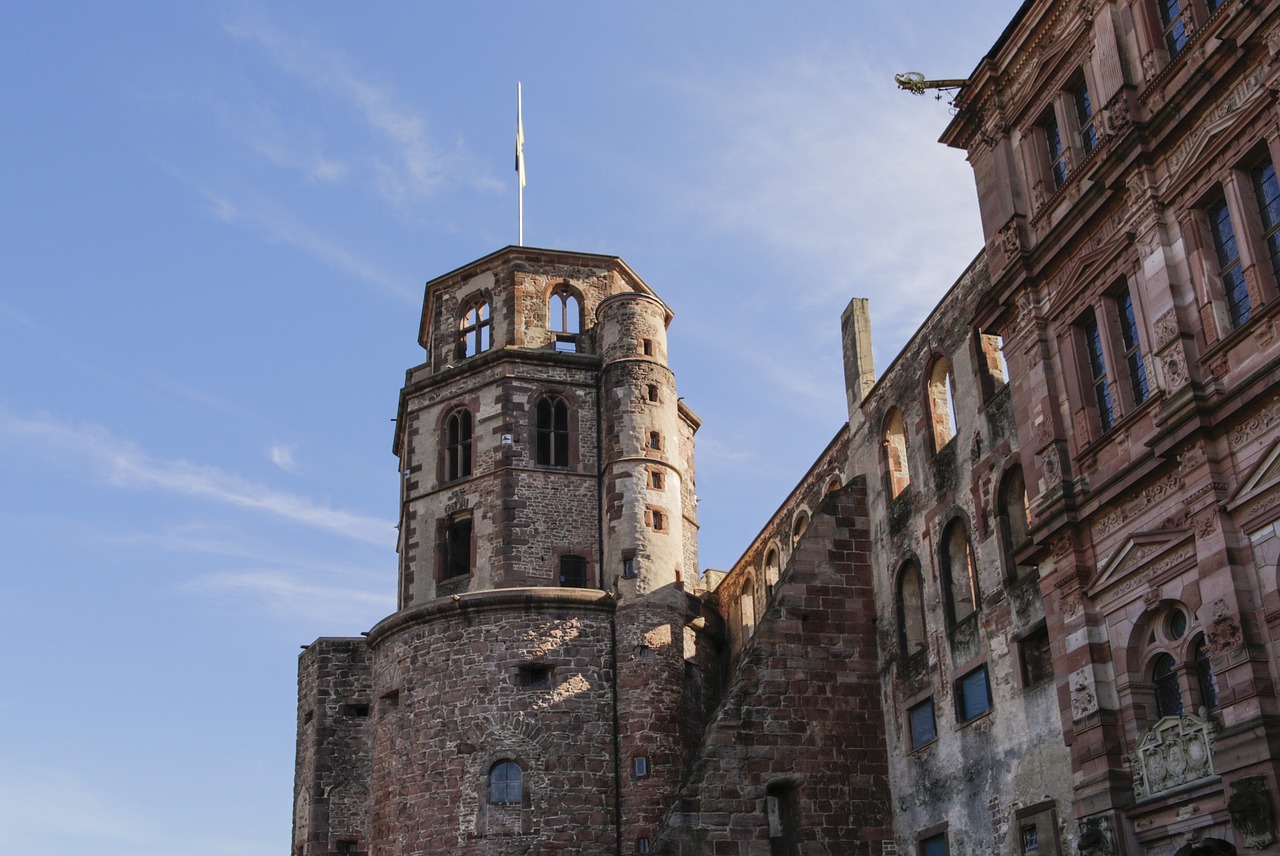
[(958, 578), (552, 429), (895, 453), (771, 571), (474, 331), (942, 403), (1164, 674), (457, 445), (833, 486), (506, 783), (1014, 521), (911, 633), (563, 314), (801, 524), (1205, 681)]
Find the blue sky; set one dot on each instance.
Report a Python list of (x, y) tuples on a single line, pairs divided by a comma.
[(217, 221)]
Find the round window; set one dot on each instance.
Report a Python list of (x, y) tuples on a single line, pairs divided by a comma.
[(1176, 624)]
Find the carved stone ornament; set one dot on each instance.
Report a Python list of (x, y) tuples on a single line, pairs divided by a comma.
[(1084, 693), (1151, 64), (1251, 812), (1096, 838), (1173, 752), (1116, 117), (1166, 329), (1224, 634), (1051, 466), (1273, 41), (1255, 425), (1190, 458), (1010, 242)]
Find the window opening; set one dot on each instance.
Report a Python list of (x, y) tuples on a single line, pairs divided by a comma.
[(1084, 114), (958, 573), (656, 479), (655, 440), (924, 726), (628, 567), (1098, 373), (535, 675), (1030, 838), (346, 846), (1164, 675), (941, 403), (1208, 684), (1036, 656), (802, 523), (1174, 23), (1132, 349), (895, 447), (640, 766), (1057, 152), (646, 346), (747, 613), (934, 845), (1015, 520), (1176, 624), (659, 521), (642, 845), (1267, 191), (973, 695), (652, 392), (1230, 271), (573, 572), (552, 441), (458, 445), (563, 312), (506, 783), (771, 572), (354, 710), (457, 549), (910, 610), (782, 810), (474, 331)]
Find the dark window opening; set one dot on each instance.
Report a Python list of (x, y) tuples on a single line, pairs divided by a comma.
[(640, 766), (973, 695), (346, 846), (958, 573), (1037, 657), (911, 627), (1132, 348), (655, 440), (1164, 674), (474, 331), (655, 479), (628, 567), (390, 699), (1207, 683), (1015, 522), (573, 572), (458, 445), (1030, 838), (923, 724), (659, 521), (1057, 151), (457, 549), (642, 845), (552, 446), (354, 709), (1230, 272), (782, 808), (535, 675), (506, 784), (308, 716), (646, 345), (934, 845), (652, 391)]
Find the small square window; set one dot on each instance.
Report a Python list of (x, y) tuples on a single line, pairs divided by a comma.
[(653, 392), (640, 766), (390, 699), (535, 675), (646, 345), (934, 845), (628, 567), (924, 727), (659, 521), (655, 440), (347, 846), (656, 479), (973, 695), (354, 709)]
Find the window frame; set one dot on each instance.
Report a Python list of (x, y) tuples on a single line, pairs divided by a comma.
[(475, 336), (907, 645), (958, 525), (914, 741), (499, 792), (552, 432), (962, 715), (458, 444)]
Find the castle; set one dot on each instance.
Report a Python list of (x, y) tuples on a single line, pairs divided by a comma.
[(1025, 602)]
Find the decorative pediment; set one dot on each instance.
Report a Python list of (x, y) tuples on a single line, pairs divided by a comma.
[(1261, 490), (1083, 267), (1144, 556), (1221, 118), (1175, 751)]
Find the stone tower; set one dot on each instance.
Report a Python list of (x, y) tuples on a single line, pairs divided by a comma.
[(537, 686)]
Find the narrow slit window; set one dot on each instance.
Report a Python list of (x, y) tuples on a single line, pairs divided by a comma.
[(1098, 373), (458, 430), (457, 549), (646, 347), (652, 392), (1056, 150), (1084, 115), (655, 440), (1164, 674)]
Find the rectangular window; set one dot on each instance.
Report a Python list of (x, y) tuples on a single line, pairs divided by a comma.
[(646, 345), (1174, 23), (934, 845), (642, 845), (924, 728), (1084, 115), (1098, 373), (640, 766), (658, 520), (1037, 660), (973, 695), (628, 567), (1132, 348), (655, 479), (1057, 152), (573, 572), (655, 440), (1229, 270), (1267, 191), (1037, 827), (456, 547)]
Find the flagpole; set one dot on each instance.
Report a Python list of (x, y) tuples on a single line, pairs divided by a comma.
[(520, 159)]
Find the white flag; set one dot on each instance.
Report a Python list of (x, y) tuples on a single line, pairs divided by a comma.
[(519, 137)]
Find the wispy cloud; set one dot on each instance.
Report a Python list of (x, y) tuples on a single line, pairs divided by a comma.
[(267, 136), (120, 463), (295, 596), (276, 225), (282, 456), (410, 163)]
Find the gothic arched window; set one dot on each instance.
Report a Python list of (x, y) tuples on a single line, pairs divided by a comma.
[(474, 331), (1014, 521), (911, 633), (457, 445), (1164, 674), (942, 410), (897, 474), (551, 447)]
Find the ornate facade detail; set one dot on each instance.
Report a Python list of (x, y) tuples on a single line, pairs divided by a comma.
[(1174, 751), (1084, 693), (1051, 466), (1216, 120), (1262, 421), (1096, 837), (1190, 458), (1224, 634), (1170, 484), (1252, 813), (1010, 242), (1166, 329)]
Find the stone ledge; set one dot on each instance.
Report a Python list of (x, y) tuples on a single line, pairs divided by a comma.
[(493, 600)]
